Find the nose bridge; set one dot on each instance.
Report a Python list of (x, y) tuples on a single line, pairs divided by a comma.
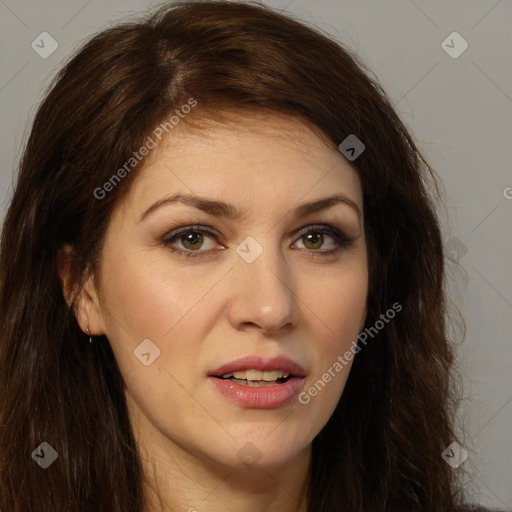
[(263, 288)]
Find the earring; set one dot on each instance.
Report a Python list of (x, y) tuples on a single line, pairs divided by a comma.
[(87, 327)]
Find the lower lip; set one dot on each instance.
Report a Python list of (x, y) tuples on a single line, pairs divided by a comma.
[(262, 397)]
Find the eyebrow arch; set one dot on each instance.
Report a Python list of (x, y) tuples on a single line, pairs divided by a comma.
[(221, 209)]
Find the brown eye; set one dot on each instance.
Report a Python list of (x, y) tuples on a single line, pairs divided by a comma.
[(314, 238), (193, 240), (190, 241)]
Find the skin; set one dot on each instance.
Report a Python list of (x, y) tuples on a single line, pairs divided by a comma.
[(206, 311)]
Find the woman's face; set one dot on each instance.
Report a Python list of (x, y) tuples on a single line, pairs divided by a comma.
[(256, 274)]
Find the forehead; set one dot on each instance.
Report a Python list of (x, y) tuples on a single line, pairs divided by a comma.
[(256, 160), (252, 137)]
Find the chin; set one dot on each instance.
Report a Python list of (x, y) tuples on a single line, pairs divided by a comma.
[(261, 452)]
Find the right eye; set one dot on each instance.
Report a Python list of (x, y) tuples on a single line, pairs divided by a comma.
[(191, 238)]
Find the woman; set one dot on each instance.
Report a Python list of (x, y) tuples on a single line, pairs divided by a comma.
[(222, 282)]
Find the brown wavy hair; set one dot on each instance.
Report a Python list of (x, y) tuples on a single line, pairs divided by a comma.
[(381, 449)]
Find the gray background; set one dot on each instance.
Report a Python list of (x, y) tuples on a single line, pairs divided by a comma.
[(459, 109)]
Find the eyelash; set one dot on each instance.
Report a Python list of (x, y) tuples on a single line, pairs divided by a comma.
[(340, 237)]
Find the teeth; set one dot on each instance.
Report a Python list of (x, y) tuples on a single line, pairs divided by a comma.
[(257, 375)]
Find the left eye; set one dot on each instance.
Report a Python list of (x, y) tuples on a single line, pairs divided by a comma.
[(315, 238), (193, 238)]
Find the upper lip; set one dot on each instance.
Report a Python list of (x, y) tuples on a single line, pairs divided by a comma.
[(282, 363)]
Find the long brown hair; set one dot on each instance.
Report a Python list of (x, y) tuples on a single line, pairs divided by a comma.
[(381, 449)]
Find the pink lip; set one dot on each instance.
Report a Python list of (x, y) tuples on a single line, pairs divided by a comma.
[(282, 363), (263, 397)]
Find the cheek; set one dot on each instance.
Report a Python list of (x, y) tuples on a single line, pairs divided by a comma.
[(340, 306), (150, 298), (147, 300), (340, 301)]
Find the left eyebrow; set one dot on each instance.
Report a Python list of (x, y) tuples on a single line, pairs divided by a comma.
[(229, 211)]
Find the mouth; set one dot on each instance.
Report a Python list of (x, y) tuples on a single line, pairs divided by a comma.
[(254, 370), (259, 383), (257, 378)]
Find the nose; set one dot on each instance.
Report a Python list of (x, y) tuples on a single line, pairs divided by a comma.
[(262, 295)]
